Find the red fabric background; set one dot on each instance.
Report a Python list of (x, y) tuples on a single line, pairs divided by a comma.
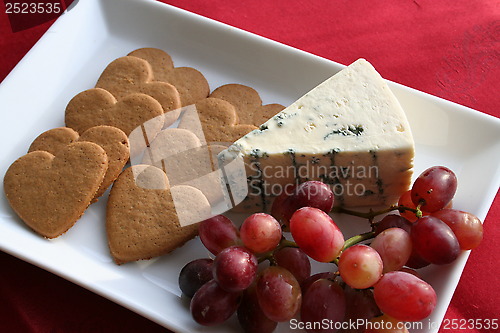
[(448, 48)]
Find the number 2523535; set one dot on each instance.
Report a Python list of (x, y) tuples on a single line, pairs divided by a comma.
[(462, 324), (32, 8)]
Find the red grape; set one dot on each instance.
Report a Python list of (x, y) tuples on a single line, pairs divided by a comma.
[(313, 194), (194, 275), (279, 293), (324, 300), (260, 233), (218, 233), (212, 305), (235, 268), (250, 315), (392, 221), (308, 194), (280, 208), (416, 261), (360, 305), (294, 260), (467, 228), (404, 296), (313, 278), (316, 234), (434, 241), (434, 188), (394, 246), (360, 266)]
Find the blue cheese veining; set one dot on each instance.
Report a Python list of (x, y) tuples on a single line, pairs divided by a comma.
[(350, 132)]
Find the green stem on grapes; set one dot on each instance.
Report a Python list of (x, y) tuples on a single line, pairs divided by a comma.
[(372, 214), (353, 241), (286, 243), (418, 211), (269, 255), (358, 239)]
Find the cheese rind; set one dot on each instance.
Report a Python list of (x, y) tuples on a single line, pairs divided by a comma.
[(350, 132)]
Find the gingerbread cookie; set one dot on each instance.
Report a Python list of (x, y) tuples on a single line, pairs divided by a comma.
[(248, 103), (129, 75), (54, 139), (190, 83), (143, 217), (111, 139), (186, 161), (219, 121), (50, 192), (96, 106)]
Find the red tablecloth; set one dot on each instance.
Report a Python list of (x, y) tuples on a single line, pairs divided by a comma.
[(448, 48)]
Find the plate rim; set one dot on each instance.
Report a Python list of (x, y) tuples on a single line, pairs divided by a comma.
[(120, 299)]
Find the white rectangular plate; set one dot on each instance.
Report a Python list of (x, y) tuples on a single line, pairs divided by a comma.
[(70, 58)]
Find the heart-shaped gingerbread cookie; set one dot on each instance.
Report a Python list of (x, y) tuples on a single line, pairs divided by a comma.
[(96, 106), (113, 140), (218, 119), (50, 192), (144, 214), (190, 83), (128, 75), (186, 161), (248, 103)]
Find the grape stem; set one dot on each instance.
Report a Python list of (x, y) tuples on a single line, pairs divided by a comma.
[(269, 255), (355, 240), (372, 214), (358, 239)]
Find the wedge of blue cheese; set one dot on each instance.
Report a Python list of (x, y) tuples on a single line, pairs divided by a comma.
[(349, 132)]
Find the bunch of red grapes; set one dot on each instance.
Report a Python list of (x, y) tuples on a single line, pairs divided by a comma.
[(266, 278)]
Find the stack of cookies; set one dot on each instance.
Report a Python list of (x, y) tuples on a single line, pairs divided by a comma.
[(68, 168)]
